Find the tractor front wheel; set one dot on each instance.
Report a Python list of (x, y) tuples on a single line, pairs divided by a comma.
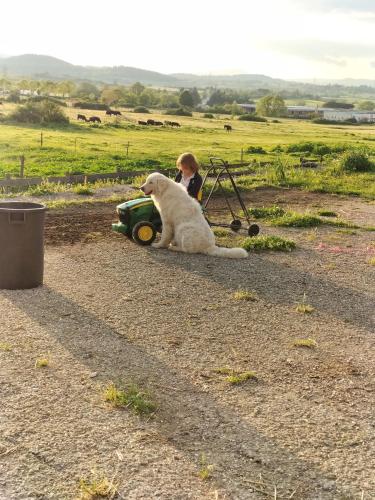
[(144, 233)]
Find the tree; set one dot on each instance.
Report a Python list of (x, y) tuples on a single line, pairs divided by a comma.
[(338, 105), (87, 89), (66, 88), (111, 94), (366, 106), (186, 99), (271, 105), (137, 88), (196, 97)]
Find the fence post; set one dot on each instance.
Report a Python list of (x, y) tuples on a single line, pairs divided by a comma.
[(127, 149), (22, 166), (241, 155), (41, 139)]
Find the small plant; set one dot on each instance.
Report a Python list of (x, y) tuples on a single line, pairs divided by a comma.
[(327, 213), (310, 343), (245, 295), (83, 189), (303, 307), (260, 243), (130, 397), (141, 109), (205, 471), (256, 150), (208, 115), (238, 378), (42, 362), (235, 377), (372, 261), (97, 487), (266, 212), (293, 219), (4, 346), (221, 232)]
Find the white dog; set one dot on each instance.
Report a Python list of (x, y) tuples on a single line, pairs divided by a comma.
[(184, 227)]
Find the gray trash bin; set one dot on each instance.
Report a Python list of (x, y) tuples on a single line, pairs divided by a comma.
[(21, 244)]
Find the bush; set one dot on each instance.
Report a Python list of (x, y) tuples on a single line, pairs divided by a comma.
[(256, 150), (179, 112), (14, 96), (324, 121), (249, 117), (43, 112), (355, 161), (318, 148), (91, 105), (140, 109), (40, 98), (208, 115)]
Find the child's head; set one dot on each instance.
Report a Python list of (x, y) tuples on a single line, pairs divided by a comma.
[(187, 164)]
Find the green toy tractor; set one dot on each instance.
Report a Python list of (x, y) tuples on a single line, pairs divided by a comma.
[(138, 219)]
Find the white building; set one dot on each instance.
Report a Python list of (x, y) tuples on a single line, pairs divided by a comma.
[(340, 115)]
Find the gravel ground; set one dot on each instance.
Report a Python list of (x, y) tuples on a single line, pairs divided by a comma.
[(111, 311)]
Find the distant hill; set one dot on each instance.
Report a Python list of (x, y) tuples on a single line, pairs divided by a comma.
[(47, 67), (39, 66)]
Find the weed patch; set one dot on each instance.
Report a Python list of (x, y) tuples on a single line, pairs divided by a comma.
[(276, 243), (309, 343), (130, 397)]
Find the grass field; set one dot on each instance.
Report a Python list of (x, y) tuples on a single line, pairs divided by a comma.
[(83, 148)]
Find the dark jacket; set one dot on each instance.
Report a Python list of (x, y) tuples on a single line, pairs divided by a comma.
[(194, 186)]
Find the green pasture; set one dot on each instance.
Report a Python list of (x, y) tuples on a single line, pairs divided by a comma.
[(84, 148)]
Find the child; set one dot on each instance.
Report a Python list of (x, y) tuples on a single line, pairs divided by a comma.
[(188, 175)]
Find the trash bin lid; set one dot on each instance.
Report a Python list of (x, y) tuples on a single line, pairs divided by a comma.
[(7, 206)]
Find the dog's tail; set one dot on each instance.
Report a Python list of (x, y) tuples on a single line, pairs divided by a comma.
[(231, 253)]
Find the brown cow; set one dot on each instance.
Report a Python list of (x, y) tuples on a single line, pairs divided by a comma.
[(94, 119)]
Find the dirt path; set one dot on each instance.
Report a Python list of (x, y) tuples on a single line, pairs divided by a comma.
[(111, 310)]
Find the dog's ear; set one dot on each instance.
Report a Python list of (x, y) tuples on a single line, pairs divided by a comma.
[(162, 184)]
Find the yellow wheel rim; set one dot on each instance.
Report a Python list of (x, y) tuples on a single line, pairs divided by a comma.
[(145, 233)]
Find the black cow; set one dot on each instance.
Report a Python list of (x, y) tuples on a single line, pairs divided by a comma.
[(112, 112), (167, 122), (94, 119), (150, 122), (175, 124), (82, 118), (140, 122), (158, 123), (228, 128)]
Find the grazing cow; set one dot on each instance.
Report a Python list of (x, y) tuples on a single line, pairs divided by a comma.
[(82, 118), (228, 128), (175, 124), (95, 119), (167, 122), (112, 112), (140, 122), (150, 122), (158, 123)]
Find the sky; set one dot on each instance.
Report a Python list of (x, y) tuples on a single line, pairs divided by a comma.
[(289, 39)]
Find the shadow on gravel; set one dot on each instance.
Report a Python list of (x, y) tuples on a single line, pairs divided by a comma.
[(190, 419), (278, 283)]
